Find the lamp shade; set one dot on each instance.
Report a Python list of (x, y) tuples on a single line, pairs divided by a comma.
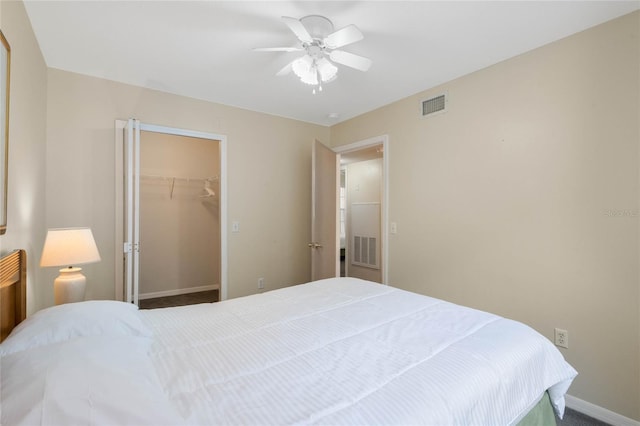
[(69, 246)]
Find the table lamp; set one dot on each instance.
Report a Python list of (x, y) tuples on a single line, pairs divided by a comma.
[(69, 246)]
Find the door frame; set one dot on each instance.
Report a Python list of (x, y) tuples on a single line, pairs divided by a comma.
[(384, 214), (119, 197)]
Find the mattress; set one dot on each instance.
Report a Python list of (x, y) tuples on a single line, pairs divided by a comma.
[(347, 351), (336, 351)]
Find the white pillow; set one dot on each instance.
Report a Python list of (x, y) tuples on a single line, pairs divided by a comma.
[(72, 320), (84, 381)]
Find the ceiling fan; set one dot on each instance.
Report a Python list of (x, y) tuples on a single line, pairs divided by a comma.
[(321, 44)]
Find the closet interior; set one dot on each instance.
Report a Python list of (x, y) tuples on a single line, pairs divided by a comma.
[(179, 220)]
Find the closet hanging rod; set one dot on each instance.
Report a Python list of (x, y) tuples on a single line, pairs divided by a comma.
[(178, 178)]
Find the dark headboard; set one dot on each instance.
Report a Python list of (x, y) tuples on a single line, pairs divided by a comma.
[(13, 291)]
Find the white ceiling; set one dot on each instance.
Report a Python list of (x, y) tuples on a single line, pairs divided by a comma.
[(203, 49)]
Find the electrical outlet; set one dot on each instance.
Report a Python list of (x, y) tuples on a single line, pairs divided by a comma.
[(260, 283), (562, 338)]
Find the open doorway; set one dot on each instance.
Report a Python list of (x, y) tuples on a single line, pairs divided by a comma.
[(179, 220), (363, 209), (170, 213)]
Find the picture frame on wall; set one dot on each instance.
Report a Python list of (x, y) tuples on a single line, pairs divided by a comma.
[(5, 66)]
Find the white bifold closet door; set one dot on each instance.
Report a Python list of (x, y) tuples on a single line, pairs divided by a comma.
[(132, 210)]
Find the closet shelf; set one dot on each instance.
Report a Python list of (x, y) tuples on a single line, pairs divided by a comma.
[(173, 179)]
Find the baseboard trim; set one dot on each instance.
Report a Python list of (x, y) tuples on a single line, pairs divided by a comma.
[(178, 291), (599, 413)]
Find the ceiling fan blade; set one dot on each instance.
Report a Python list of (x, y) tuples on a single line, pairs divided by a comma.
[(277, 49), (285, 70), (342, 37), (298, 29), (349, 59)]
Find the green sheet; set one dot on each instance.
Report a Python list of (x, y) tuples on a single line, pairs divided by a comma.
[(541, 414)]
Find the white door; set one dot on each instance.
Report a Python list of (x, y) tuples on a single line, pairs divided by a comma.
[(131, 151), (132, 209), (325, 237)]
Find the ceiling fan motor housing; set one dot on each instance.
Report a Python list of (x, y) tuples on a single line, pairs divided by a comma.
[(318, 26)]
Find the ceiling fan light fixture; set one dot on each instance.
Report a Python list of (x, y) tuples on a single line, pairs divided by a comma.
[(313, 71), (327, 70), (305, 69), (302, 66), (310, 78)]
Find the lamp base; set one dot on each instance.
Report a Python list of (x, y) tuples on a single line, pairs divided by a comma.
[(69, 286)]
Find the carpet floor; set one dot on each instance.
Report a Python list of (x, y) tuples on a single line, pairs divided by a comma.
[(180, 300), (576, 418)]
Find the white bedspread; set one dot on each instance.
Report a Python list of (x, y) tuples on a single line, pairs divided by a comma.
[(345, 351)]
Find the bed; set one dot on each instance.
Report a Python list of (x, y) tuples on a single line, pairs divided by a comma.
[(336, 351), (13, 298)]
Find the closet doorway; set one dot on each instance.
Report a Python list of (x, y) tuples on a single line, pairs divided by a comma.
[(173, 214)]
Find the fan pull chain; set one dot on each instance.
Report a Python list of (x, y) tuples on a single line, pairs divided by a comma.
[(319, 79)]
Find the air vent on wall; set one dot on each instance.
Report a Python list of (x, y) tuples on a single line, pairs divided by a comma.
[(365, 234), (365, 251), (434, 105)]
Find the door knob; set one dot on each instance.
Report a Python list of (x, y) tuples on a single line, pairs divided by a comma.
[(314, 245)]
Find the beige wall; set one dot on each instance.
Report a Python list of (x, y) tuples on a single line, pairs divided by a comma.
[(268, 176), (179, 229), (27, 136), (522, 199)]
